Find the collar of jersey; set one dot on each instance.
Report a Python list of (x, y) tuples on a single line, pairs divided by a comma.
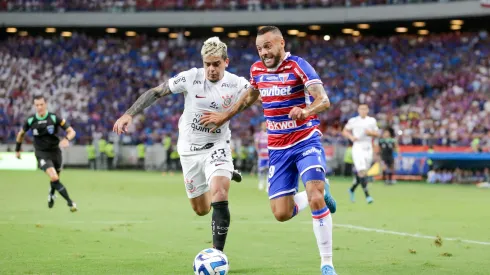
[(288, 54), (42, 118)]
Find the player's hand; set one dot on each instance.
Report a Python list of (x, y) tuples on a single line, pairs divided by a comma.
[(64, 143), (298, 114), (354, 139), (17, 155), (121, 125), (217, 119)]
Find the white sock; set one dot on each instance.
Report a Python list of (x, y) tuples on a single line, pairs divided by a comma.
[(322, 226), (300, 201)]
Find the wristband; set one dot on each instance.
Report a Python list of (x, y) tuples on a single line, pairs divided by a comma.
[(17, 146)]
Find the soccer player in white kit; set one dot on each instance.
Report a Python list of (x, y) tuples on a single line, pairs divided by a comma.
[(205, 155), (361, 130)]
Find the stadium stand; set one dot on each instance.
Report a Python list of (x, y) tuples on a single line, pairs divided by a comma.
[(414, 84), (181, 5)]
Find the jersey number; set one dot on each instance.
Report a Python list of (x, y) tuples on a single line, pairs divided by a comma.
[(218, 154)]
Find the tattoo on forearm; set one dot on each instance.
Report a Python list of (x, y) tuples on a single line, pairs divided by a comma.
[(148, 98), (251, 98), (321, 102)]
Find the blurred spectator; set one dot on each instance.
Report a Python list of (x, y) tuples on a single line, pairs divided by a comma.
[(432, 90)]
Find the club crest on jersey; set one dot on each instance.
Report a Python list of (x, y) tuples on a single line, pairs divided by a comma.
[(189, 186), (50, 129), (226, 101), (283, 77)]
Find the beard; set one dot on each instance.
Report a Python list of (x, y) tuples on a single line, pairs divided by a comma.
[(276, 59)]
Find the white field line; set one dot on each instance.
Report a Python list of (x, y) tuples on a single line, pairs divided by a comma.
[(348, 226), (377, 230)]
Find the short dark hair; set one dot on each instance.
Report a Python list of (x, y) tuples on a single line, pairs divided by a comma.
[(391, 131), (267, 29), (37, 97)]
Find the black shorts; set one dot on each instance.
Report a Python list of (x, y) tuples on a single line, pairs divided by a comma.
[(48, 159), (388, 161)]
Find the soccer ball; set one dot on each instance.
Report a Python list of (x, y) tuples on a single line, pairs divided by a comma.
[(211, 261)]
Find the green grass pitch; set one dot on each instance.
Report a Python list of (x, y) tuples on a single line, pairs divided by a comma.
[(142, 223)]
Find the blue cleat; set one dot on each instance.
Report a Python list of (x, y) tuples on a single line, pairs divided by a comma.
[(352, 198), (369, 200), (329, 200), (328, 270)]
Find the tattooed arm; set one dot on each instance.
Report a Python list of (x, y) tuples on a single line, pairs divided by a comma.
[(148, 98), (320, 104), (144, 101), (248, 99)]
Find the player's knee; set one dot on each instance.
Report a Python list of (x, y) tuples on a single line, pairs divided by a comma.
[(316, 199), (282, 215), (54, 177), (201, 210)]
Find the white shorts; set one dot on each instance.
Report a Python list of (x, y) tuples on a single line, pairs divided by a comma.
[(363, 158), (198, 169)]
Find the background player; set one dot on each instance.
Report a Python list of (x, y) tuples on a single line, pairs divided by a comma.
[(361, 130), (388, 145), (205, 154), (47, 145), (263, 156), (292, 95)]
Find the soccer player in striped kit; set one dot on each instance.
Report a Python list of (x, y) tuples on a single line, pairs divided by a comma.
[(292, 95), (263, 156)]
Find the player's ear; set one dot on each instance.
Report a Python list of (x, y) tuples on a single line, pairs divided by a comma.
[(227, 62)]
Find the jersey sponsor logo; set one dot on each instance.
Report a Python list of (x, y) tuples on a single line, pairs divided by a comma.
[(275, 91), (198, 96), (196, 82), (281, 125), (176, 81), (276, 77), (229, 85), (302, 76), (227, 100), (195, 148), (257, 69), (196, 125), (50, 129), (312, 150), (42, 121), (214, 105)]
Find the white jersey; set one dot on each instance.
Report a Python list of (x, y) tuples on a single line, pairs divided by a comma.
[(202, 96), (358, 126)]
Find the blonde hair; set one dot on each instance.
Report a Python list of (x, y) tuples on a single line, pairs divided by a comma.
[(214, 47)]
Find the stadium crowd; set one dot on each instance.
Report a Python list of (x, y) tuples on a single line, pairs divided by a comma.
[(185, 5), (432, 90)]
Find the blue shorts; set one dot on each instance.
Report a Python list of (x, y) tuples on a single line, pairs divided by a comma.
[(263, 164), (287, 165)]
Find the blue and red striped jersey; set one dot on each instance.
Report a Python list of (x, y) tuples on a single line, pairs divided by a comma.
[(281, 90)]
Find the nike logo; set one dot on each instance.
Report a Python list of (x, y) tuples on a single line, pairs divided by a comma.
[(219, 233), (218, 164), (200, 96)]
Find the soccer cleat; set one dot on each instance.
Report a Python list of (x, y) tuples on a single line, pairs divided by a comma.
[(369, 200), (352, 197), (329, 200), (328, 270), (236, 176), (73, 207), (51, 199)]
